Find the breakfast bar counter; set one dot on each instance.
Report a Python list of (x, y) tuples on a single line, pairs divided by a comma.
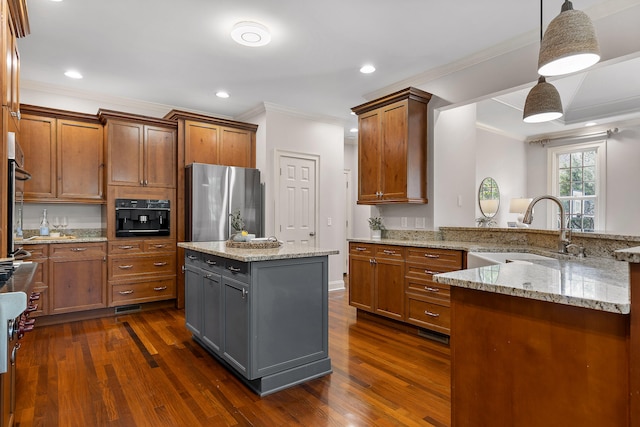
[(551, 342)]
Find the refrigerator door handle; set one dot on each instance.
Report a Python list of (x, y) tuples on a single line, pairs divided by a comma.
[(312, 234)]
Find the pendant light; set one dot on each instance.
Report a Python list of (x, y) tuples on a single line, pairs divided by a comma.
[(543, 102), (569, 43)]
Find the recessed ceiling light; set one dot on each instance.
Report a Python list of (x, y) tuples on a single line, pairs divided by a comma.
[(367, 69), (222, 94), (73, 74), (250, 34), (353, 130), (590, 124)]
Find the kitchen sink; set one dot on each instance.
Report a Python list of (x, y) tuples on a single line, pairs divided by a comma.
[(482, 259)]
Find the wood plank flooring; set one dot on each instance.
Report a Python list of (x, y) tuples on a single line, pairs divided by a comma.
[(144, 369)]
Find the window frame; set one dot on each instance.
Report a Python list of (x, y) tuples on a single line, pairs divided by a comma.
[(601, 175)]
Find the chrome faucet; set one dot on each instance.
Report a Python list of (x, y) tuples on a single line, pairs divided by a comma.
[(565, 233)]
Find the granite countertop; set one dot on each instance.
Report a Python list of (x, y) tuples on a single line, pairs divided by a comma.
[(249, 255), (22, 278), (629, 255), (40, 240), (592, 282)]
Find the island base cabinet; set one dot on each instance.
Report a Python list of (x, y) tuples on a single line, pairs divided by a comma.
[(271, 317), (522, 362)]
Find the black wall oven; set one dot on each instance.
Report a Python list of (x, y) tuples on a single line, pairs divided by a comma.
[(17, 176)]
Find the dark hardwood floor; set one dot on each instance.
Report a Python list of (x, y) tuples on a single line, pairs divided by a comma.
[(144, 369)]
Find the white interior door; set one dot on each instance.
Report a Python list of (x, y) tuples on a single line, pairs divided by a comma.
[(347, 225), (297, 200)]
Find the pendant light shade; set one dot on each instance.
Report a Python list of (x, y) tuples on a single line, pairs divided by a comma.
[(569, 43), (543, 103)]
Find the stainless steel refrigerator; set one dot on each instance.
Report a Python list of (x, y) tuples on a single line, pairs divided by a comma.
[(213, 192)]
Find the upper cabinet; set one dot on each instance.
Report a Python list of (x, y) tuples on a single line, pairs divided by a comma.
[(204, 139), (392, 148), (65, 153), (141, 150), (15, 24)]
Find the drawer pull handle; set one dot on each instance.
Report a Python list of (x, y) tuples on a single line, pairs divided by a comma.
[(234, 269), (429, 313), (125, 267), (430, 289), (125, 247), (159, 288), (129, 292), (359, 249), (192, 257), (159, 264), (432, 272), (78, 249), (159, 246), (210, 262), (432, 256), (388, 252)]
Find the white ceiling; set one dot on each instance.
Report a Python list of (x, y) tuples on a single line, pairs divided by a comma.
[(179, 53)]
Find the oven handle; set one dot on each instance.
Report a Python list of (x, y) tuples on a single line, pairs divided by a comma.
[(26, 175), (21, 253)]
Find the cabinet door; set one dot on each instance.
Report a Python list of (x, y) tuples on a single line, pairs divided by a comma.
[(236, 148), (38, 141), (77, 284), (389, 288), (393, 169), (160, 157), (361, 281), (201, 143), (193, 300), (125, 161), (368, 156), (235, 348), (80, 161), (212, 311)]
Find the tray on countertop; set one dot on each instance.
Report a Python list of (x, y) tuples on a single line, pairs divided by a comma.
[(263, 244), (48, 238)]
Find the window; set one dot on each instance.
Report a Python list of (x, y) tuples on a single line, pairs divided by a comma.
[(578, 174)]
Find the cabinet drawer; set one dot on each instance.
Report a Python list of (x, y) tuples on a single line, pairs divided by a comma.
[(429, 315), (60, 250), (153, 290), (123, 267), (429, 289), (193, 258), (385, 251), (361, 249), (153, 246), (37, 251), (237, 269), (126, 247), (426, 272), (436, 257)]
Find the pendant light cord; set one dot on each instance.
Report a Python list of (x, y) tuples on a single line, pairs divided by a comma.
[(541, 21)]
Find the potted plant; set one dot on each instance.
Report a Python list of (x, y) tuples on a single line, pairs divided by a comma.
[(237, 223), (375, 224)]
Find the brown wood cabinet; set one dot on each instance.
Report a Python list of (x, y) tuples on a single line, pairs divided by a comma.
[(40, 256), (64, 154), (205, 139), (77, 274), (141, 150), (396, 282), (376, 279), (392, 148)]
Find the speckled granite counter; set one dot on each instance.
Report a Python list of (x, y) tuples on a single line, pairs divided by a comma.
[(249, 255), (68, 239), (629, 255)]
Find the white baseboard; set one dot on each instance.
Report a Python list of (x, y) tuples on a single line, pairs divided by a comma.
[(336, 285)]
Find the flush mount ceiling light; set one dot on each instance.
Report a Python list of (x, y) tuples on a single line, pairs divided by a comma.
[(73, 74), (543, 103), (569, 44), (222, 94), (367, 69), (251, 34)]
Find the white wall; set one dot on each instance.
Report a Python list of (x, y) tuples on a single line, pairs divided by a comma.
[(504, 159), (623, 173), (297, 133), (359, 213)]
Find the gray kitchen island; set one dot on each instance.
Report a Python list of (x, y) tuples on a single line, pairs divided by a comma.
[(263, 313)]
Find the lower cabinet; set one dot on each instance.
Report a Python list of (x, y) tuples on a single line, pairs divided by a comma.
[(40, 256), (396, 282), (77, 274), (266, 320)]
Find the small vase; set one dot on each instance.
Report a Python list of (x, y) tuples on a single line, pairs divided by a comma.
[(376, 234)]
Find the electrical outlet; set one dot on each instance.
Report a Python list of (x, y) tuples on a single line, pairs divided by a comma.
[(420, 222), (403, 222), (329, 221)]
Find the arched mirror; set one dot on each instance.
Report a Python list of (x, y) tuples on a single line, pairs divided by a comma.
[(489, 197)]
